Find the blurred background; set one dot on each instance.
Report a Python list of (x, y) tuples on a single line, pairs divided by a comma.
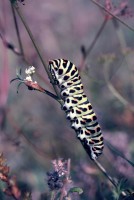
[(34, 129)]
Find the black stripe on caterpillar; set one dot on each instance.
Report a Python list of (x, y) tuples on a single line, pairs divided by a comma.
[(77, 107)]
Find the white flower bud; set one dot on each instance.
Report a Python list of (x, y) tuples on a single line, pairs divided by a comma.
[(28, 78), (30, 70)]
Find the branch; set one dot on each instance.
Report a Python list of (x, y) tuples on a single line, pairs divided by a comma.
[(85, 53), (38, 51), (10, 45), (19, 132), (96, 36), (35, 86), (63, 191), (102, 7), (105, 173), (117, 152), (32, 85), (17, 31), (115, 92)]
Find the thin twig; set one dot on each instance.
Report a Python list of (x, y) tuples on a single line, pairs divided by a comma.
[(53, 195), (35, 86), (19, 132), (120, 35), (101, 6), (87, 52), (32, 85), (115, 92), (63, 191), (96, 37), (123, 45), (10, 45), (68, 168), (17, 31), (39, 54), (107, 175), (117, 152), (105, 172)]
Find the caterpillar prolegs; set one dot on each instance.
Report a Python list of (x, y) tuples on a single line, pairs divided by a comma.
[(77, 107)]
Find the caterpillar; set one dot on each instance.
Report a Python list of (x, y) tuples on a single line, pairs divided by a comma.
[(77, 106)]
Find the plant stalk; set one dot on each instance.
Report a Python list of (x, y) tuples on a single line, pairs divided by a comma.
[(38, 52), (17, 31), (102, 7)]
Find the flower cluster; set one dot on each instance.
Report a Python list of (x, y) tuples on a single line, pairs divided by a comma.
[(55, 178), (121, 8), (30, 72), (54, 181), (60, 166)]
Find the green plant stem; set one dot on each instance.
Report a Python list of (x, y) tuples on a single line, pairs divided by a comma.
[(102, 7), (63, 191), (17, 32), (39, 54), (52, 195)]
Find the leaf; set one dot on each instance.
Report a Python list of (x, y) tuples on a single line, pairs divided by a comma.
[(13, 1), (120, 189), (76, 189)]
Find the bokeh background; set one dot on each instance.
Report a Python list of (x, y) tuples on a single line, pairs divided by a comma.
[(34, 129)]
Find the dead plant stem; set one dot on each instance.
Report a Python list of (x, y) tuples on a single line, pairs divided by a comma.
[(38, 52), (102, 7), (17, 31)]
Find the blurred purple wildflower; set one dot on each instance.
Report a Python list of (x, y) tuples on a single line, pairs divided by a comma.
[(118, 8), (54, 181), (55, 178)]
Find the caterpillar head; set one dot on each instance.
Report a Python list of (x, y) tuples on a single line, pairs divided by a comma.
[(52, 68)]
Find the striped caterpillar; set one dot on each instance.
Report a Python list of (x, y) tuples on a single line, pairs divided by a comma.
[(77, 107)]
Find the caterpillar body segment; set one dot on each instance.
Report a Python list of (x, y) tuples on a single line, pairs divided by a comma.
[(75, 100), (73, 82), (79, 110), (83, 121), (77, 106), (71, 91)]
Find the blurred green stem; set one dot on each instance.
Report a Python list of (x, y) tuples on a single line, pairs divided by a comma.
[(52, 195)]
